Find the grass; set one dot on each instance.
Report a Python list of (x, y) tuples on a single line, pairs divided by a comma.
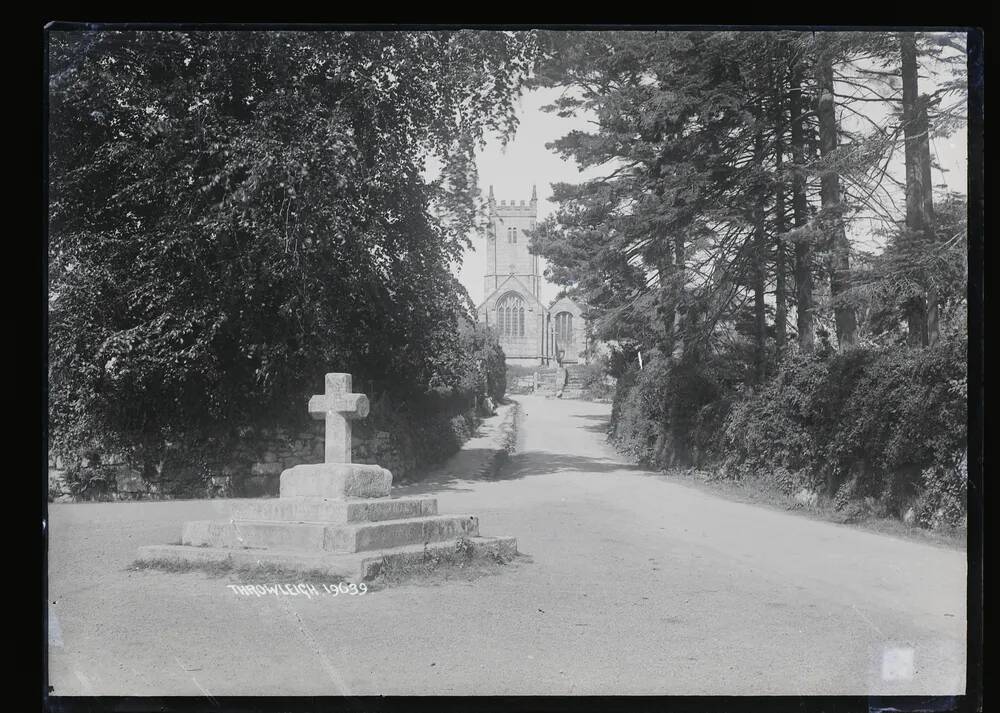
[(244, 573), (759, 492), (461, 563), (458, 564)]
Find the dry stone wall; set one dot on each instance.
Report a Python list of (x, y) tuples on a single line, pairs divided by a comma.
[(251, 464)]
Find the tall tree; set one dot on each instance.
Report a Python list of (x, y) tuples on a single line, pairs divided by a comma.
[(804, 315), (758, 247), (922, 309), (832, 218), (780, 225)]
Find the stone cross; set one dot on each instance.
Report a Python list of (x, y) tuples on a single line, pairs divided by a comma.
[(338, 406)]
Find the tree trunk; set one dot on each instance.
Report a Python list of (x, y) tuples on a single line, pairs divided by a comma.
[(924, 157), (758, 276), (679, 307), (780, 289), (921, 312), (804, 324), (833, 222)]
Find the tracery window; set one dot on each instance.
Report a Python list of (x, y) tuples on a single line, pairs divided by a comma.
[(510, 315), (564, 328)]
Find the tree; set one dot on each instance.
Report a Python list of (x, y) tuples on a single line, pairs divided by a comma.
[(804, 315), (921, 310), (832, 219), (234, 213)]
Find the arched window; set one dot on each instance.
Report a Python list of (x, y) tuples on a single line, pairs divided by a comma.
[(564, 328), (510, 315), (511, 235)]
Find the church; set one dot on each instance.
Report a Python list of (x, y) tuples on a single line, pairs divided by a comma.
[(530, 333)]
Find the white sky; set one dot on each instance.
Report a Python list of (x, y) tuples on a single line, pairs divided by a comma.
[(525, 161)]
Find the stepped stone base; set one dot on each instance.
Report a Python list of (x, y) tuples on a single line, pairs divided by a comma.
[(356, 537), (359, 565), (334, 518), (304, 509)]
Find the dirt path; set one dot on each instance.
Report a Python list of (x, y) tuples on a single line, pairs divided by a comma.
[(636, 585)]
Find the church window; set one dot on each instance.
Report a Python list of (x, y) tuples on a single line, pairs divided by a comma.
[(564, 327), (510, 315)]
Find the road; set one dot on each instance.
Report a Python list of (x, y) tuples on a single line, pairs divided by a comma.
[(636, 584)]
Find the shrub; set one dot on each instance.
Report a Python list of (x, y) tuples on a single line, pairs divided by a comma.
[(594, 379), (944, 500), (658, 410), (636, 412), (881, 426), (876, 431)]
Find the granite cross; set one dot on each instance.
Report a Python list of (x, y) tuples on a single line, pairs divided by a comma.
[(338, 406)]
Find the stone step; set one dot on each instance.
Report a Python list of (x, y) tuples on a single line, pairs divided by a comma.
[(324, 510), (262, 534), (352, 566), (371, 565), (396, 533)]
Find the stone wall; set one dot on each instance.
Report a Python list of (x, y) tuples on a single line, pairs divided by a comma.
[(247, 466)]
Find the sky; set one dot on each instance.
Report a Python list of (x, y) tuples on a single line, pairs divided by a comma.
[(525, 161)]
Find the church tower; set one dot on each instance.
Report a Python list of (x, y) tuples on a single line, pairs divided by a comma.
[(529, 332), (507, 245)]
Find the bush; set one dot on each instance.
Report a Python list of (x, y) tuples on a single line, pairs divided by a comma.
[(595, 379), (868, 425), (636, 412), (482, 347), (875, 431), (659, 411)]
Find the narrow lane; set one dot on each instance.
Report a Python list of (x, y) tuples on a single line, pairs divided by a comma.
[(636, 584)]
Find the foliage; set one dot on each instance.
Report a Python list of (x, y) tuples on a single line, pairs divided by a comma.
[(482, 346), (235, 213), (594, 378), (659, 413), (637, 410), (95, 482), (884, 424), (877, 431), (909, 267)]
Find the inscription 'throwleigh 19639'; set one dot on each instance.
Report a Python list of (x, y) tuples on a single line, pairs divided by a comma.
[(293, 590)]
